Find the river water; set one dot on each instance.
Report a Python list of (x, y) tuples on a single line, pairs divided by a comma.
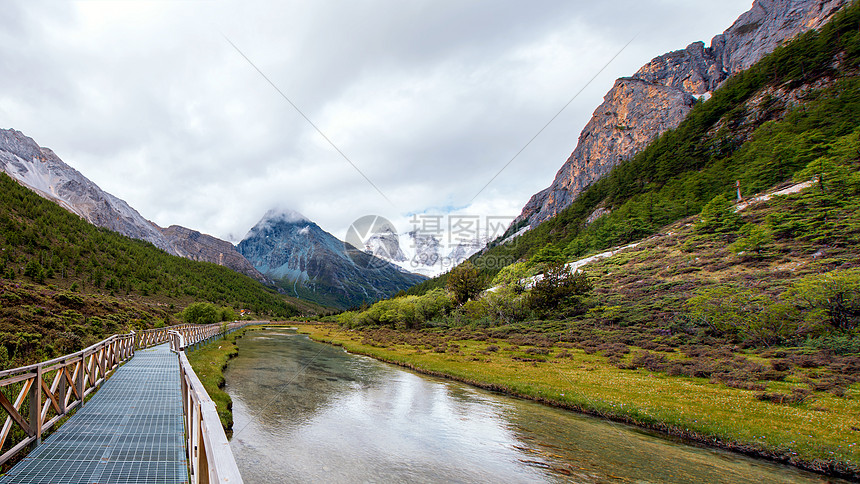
[(309, 412)]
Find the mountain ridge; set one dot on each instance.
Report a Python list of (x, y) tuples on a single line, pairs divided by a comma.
[(662, 92), (41, 170), (198, 246), (311, 263)]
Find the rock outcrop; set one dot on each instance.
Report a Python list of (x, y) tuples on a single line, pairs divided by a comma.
[(194, 245), (46, 174), (660, 95)]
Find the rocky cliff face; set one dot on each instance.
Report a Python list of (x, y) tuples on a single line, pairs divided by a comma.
[(661, 93), (194, 245), (46, 174), (312, 264)]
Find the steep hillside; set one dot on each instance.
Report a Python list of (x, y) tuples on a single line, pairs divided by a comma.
[(661, 94), (312, 264), (759, 128), (45, 173), (65, 283), (193, 245)]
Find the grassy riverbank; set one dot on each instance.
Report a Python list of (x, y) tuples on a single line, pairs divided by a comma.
[(209, 362), (821, 432)]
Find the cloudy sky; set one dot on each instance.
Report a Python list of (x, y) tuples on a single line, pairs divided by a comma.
[(428, 99)]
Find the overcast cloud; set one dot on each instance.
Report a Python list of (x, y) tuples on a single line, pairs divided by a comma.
[(429, 99)]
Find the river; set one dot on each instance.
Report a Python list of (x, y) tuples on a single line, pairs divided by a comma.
[(309, 412)]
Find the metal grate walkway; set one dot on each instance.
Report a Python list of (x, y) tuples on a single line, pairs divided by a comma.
[(130, 432)]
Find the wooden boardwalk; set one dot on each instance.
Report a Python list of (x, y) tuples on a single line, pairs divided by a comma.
[(130, 432)]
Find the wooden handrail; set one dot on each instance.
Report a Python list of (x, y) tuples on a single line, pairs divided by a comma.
[(41, 394), (210, 459), (46, 392)]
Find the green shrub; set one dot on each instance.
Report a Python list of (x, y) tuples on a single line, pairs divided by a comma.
[(838, 344), (347, 319), (742, 313), (69, 299), (756, 240), (549, 255), (718, 216), (558, 289), (35, 271), (576, 247), (832, 298), (201, 313), (403, 312), (475, 310), (463, 282), (507, 304), (512, 275), (228, 314)]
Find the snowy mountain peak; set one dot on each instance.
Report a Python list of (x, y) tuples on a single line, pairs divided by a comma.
[(385, 245), (284, 215), (278, 216), (311, 263)]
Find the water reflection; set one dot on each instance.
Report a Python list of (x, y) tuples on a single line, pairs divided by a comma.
[(308, 412)]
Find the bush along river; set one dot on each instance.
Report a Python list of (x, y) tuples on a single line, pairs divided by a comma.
[(310, 412)]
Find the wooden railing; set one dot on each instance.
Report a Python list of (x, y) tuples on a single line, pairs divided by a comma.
[(195, 334), (33, 405), (152, 337), (210, 459), (209, 456)]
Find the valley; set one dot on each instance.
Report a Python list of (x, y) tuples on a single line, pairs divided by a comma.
[(638, 355), (691, 274)]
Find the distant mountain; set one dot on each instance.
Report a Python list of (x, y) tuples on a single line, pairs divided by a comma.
[(423, 253), (194, 245), (310, 263), (55, 259), (46, 174), (660, 95), (426, 257), (385, 244)]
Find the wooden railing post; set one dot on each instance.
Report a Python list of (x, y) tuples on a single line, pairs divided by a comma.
[(202, 461), (61, 389), (35, 401), (82, 374), (102, 360), (114, 353), (195, 442)]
